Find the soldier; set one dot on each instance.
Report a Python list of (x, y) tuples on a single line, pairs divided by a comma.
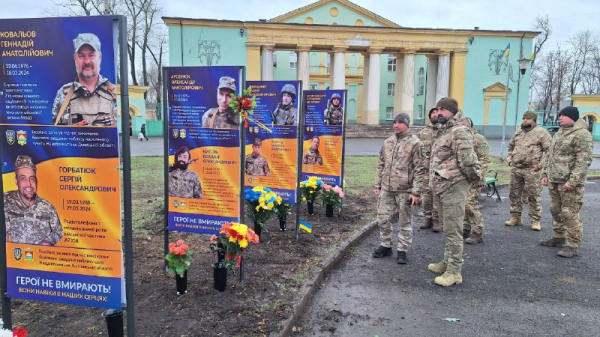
[(183, 182), (473, 218), (90, 99), (312, 156), (334, 114), (30, 218), (454, 167), (426, 136), (286, 113), (525, 152), (222, 117), (565, 173), (400, 174), (257, 165)]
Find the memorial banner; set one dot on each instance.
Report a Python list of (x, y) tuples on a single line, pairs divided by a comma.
[(60, 156)]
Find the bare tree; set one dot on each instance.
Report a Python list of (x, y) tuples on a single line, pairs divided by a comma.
[(591, 75), (582, 45), (551, 79), (541, 23)]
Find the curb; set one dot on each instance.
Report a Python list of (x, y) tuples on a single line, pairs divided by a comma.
[(310, 287)]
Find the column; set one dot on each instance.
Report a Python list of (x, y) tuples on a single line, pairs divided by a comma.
[(443, 76), (331, 71), (303, 66), (365, 89), (398, 82), (432, 70), (458, 66), (253, 61), (408, 84), (267, 62), (339, 69), (374, 86)]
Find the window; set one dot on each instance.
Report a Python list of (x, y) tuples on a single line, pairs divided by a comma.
[(293, 60), (420, 111), (421, 81), (314, 86), (391, 89), (391, 62), (389, 113), (274, 59)]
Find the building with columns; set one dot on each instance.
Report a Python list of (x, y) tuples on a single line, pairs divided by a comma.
[(385, 67)]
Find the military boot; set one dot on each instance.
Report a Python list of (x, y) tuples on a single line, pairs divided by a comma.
[(437, 226), (448, 278), (382, 251), (439, 267), (536, 226), (554, 242), (427, 224), (514, 221), (401, 257), (466, 233), (475, 238), (567, 252)]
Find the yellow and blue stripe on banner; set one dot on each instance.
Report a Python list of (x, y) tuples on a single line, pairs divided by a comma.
[(305, 227)]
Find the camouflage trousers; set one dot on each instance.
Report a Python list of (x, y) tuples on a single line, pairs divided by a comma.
[(564, 207), (389, 203), (451, 208), (473, 218), (525, 179), (429, 212)]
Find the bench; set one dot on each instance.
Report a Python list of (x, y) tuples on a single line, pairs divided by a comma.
[(490, 182)]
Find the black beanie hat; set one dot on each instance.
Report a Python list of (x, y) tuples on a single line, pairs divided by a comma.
[(430, 111), (449, 104), (402, 118), (571, 112)]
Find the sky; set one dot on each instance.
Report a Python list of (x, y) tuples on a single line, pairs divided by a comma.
[(566, 17)]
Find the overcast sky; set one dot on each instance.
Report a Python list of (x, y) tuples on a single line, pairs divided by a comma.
[(566, 17)]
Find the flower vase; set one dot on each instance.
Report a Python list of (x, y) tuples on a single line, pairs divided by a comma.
[(329, 211), (311, 210), (220, 276), (220, 253), (282, 221), (257, 228), (181, 283)]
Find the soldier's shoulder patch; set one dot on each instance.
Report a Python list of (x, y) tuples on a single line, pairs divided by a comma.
[(424, 151), (583, 143)]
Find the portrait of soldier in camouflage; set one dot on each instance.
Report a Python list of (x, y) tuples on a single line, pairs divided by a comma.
[(256, 164), (286, 113), (30, 218), (312, 156), (90, 99), (183, 182), (222, 117), (334, 114)]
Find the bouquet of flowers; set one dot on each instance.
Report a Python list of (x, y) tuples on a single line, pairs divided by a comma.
[(332, 195), (18, 332), (310, 189), (233, 240), (261, 204), (244, 105), (179, 258), (283, 210)]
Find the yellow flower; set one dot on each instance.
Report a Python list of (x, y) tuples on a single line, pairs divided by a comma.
[(303, 198), (243, 243), (257, 208)]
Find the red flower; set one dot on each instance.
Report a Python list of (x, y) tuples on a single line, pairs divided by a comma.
[(179, 242), (20, 332)]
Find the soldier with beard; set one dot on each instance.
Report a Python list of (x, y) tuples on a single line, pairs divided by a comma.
[(334, 114), (286, 113), (222, 117), (426, 135), (183, 182)]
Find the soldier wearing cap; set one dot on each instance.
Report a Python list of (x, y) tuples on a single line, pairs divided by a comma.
[(90, 99), (29, 218), (286, 113), (426, 135), (334, 114), (257, 165), (183, 182), (312, 156), (400, 173), (222, 117)]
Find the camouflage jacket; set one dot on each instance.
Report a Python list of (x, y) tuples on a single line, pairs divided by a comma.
[(527, 148), (482, 150), (312, 157), (31, 224), (285, 116), (334, 116), (222, 120), (570, 155), (426, 136), (401, 164), (184, 184), (453, 156), (257, 166)]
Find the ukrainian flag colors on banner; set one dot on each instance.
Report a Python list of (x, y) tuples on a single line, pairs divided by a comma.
[(62, 195), (204, 148), (271, 157)]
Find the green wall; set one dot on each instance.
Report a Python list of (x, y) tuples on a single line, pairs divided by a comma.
[(322, 16), (595, 109), (228, 46)]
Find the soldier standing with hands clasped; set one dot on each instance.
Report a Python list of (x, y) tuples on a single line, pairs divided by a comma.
[(430, 213)]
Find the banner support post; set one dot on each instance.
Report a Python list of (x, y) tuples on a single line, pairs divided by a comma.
[(165, 116)]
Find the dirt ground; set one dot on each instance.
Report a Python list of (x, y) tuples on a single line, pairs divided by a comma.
[(274, 271)]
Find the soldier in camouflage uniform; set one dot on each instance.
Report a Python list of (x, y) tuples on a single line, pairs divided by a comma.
[(286, 113), (426, 136), (525, 152), (222, 117), (29, 218), (454, 168), (183, 182), (565, 173), (400, 174), (90, 98), (312, 156), (334, 114), (473, 218), (257, 165)]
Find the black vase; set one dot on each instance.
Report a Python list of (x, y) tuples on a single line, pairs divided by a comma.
[(220, 253), (329, 211), (311, 210), (282, 221), (257, 228), (220, 276), (114, 322), (181, 283)]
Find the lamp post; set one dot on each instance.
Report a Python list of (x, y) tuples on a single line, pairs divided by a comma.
[(523, 63)]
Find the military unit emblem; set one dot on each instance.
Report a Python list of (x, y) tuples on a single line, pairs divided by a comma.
[(29, 255), (182, 133), (175, 133), (175, 203), (21, 137), (17, 253), (10, 137)]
